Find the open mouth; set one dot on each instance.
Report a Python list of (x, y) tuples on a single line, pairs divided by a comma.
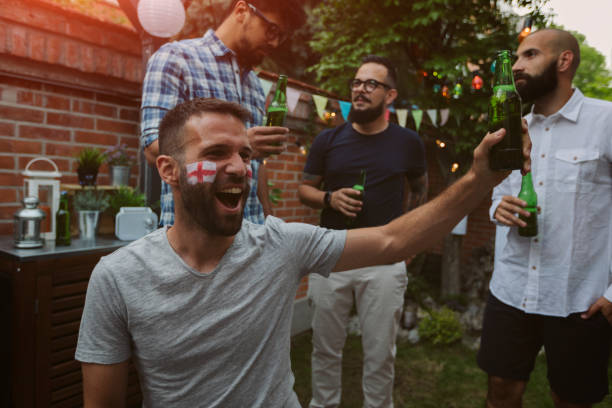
[(230, 197)]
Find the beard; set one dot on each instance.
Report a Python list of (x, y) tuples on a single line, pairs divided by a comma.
[(538, 86), (247, 55), (200, 208), (367, 115)]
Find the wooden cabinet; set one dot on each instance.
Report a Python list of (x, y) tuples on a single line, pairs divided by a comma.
[(43, 293)]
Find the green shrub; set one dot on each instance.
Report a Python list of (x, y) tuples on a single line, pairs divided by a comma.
[(126, 196), (441, 327), (90, 200)]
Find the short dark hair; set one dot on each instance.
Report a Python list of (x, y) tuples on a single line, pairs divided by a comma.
[(291, 10), (391, 71), (173, 124)]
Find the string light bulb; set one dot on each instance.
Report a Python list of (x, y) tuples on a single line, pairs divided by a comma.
[(477, 81), (454, 167), (457, 90), (526, 29), (440, 144)]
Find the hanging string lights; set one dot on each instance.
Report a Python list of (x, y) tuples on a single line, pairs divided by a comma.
[(526, 29)]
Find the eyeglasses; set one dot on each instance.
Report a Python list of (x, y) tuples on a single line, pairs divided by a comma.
[(273, 31), (369, 84)]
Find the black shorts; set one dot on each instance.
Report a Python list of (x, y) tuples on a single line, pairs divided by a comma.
[(577, 350)]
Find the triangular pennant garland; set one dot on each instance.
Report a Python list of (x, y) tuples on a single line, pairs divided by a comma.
[(345, 108), (433, 115), (417, 115), (402, 116), (293, 97), (444, 116), (392, 109), (266, 85), (320, 103)]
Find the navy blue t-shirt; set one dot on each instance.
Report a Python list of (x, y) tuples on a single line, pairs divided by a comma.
[(389, 157)]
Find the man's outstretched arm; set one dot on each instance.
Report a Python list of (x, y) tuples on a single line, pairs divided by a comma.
[(424, 226)]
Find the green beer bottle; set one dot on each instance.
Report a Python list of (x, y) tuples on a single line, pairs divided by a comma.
[(62, 221), (505, 112), (278, 107), (528, 195), (360, 186)]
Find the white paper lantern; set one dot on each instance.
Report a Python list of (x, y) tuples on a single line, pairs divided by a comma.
[(161, 18)]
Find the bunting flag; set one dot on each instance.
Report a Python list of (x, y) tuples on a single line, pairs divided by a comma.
[(444, 116), (320, 103), (345, 108), (402, 116), (433, 115), (266, 85), (417, 115), (293, 97), (387, 114), (392, 109)]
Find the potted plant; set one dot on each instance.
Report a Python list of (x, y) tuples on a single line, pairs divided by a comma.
[(88, 205), (119, 163), (89, 161), (126, 197)]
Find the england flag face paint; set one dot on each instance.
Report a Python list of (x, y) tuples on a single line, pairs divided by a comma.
[(201, 172)]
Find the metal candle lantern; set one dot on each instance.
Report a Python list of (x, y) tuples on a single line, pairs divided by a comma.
[(27, 224), (45, 187)]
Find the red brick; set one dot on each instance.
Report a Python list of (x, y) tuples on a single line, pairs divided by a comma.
[(62, 164), (133, 69), (64, 150), (6, 228), (117, 65), (35, 132), (89, 33), (7, 129), (57, 102), (285, 176), (29, 98), (275, 165), (94, 108), (280, 213), (8, 212), (87, 56), (7, 163), (131, 142), (8, 195), (3, 38), (66, 91), (21, 114), (55, 50), (17, 146), (95, 138), (73, 54), (37, 46), (295, 167), (102, 61), (18, 43), (130, 114), (66, 119), (70, 179), (11, 179), (105, 110), (122, 42), (118, 100), (115, 126), (20, 83)]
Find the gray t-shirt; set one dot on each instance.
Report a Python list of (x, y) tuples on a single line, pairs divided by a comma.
[(205, 340)]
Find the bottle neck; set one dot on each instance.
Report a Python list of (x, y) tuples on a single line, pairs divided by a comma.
[(503, 71), (528, 193), (280, 95)]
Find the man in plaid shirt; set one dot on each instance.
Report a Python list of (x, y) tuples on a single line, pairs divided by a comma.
[(219, 65)]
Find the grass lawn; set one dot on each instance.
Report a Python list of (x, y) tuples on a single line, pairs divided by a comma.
[(425, 376)]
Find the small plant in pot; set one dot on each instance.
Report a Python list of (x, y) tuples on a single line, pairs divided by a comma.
[(88, 205), (126, 197), (119, 162), (89, 161)]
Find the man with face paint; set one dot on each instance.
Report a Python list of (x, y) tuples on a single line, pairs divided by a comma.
[(554, 290), (394, 161), (219, 65), (204, 308)]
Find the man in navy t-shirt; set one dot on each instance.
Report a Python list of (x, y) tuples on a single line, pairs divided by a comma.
[(393, 159)]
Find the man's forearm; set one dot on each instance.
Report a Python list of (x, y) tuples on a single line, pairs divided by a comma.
[(151, 152), (311, 196)]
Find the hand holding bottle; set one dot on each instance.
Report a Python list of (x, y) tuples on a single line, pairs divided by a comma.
[(267, 140)]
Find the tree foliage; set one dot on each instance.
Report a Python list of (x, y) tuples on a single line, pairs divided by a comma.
[(592, 77), (421, 36)]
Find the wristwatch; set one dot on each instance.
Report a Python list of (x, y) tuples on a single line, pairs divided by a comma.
[(327, 199)]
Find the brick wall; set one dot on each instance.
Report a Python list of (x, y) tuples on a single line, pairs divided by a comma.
[(67, 82)]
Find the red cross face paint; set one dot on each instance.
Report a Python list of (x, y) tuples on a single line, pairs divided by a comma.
[(201, 172), (249, 171)]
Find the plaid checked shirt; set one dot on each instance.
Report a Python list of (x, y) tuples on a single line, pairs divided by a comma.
[(198, 68)]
